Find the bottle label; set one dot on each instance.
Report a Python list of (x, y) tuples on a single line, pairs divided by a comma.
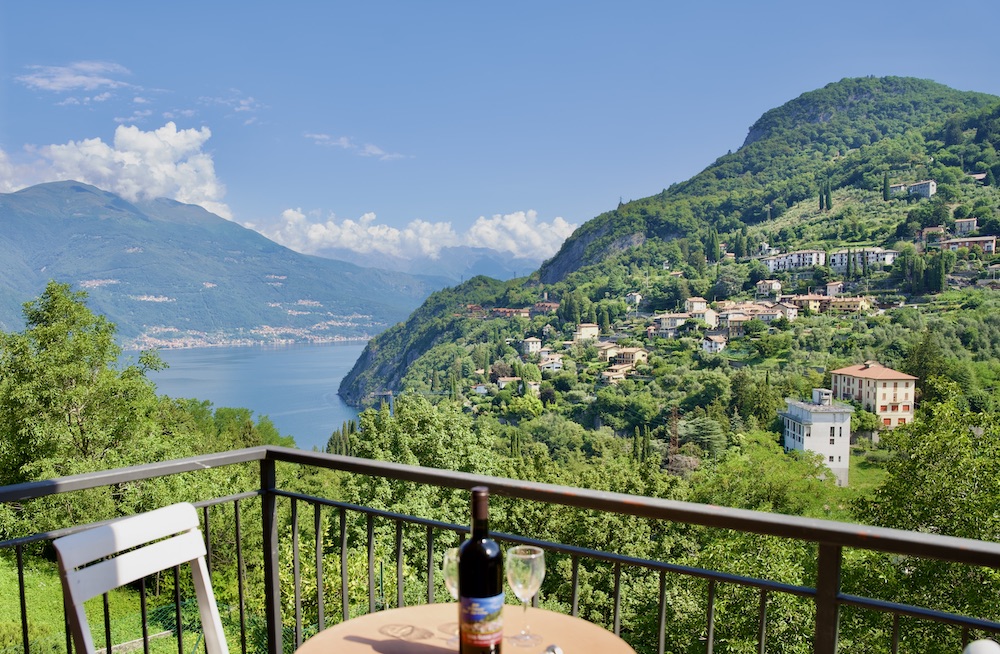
[(481, 620)]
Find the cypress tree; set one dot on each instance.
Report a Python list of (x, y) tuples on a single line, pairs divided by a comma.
[(885, 186), (829, 197), (990, 180), (822, 199)]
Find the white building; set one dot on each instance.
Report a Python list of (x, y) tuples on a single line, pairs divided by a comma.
[(876, 256), (924, 189), (531, 345), (793, 260), (713, 344), (821, 426)]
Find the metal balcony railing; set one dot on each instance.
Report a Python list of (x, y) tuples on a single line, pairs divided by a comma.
[(284, 615)]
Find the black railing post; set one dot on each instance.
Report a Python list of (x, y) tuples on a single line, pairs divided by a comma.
[(272, 581), (827, 606)]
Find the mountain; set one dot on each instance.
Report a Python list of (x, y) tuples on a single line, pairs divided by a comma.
[(845, 141), (830, 134), (453, 263), (171, 273)]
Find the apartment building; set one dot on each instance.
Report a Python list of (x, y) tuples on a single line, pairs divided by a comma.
[(987, 244), (797, 259), (876, 257), (821, 426), (887, 393)]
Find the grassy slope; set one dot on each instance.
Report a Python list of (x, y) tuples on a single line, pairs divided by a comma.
[(43, 597)]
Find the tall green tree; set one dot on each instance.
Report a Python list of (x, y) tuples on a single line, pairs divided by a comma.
[(943, 478), (65, 404), (885, 186)]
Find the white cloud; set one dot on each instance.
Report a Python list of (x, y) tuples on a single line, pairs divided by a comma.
[(235, 102), (165, 162), (78, 76), (345, 143), (519, 233)]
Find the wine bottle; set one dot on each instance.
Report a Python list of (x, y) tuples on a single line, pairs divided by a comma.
[(480, 583)]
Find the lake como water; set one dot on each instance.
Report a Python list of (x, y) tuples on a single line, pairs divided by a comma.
[(295, 386)]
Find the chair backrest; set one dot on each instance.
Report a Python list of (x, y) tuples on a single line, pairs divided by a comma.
[(96, 560)]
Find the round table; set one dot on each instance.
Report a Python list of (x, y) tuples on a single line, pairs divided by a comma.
[(425, 629)]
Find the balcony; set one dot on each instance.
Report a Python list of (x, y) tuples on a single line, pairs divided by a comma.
[(303, 542)]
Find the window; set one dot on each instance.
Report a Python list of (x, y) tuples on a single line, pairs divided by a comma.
[(906, 407), (884, 407), (831, 458), (883, 397), (832, 430), (902, 421), (895, 407), (832, 441), (887, 421), (895, 384)]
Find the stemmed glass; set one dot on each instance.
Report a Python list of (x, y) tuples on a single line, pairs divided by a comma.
[(525, 572), (450, 569)]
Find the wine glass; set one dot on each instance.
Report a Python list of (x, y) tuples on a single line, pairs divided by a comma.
[(525, 572), (450, 569)]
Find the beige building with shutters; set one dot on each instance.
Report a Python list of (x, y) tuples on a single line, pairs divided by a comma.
[(887, 393)]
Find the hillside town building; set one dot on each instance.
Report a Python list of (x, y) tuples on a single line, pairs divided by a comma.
[(793, 260), (966, 226), (988, 244), (586, 331), (821, 426), (887, 393), (873, 257)]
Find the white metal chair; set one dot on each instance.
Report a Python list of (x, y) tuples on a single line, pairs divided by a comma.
[(94, 561)]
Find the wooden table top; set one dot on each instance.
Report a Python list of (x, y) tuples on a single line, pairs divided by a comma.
[(425, 629)]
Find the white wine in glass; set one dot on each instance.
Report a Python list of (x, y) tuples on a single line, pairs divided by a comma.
[(525, 572), (450, 569)]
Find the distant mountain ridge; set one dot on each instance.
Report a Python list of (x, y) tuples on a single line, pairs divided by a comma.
[(169, 273), (456, 263)]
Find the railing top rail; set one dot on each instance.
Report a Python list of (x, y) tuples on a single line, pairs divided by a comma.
[(844, 534), (35, 489), (806, 529)]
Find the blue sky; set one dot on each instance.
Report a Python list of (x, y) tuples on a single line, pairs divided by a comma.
[(397, 127)]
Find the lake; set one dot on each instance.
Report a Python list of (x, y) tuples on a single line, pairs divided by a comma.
[(295, 385)]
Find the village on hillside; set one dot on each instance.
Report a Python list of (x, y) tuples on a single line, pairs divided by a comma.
[(611, 354)]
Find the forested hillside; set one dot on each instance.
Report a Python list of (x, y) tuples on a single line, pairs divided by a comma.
[(813, 173)]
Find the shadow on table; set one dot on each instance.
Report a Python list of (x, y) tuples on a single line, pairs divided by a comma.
[(403, 638)]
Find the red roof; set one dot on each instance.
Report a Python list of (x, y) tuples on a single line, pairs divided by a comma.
[(872, 370)]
